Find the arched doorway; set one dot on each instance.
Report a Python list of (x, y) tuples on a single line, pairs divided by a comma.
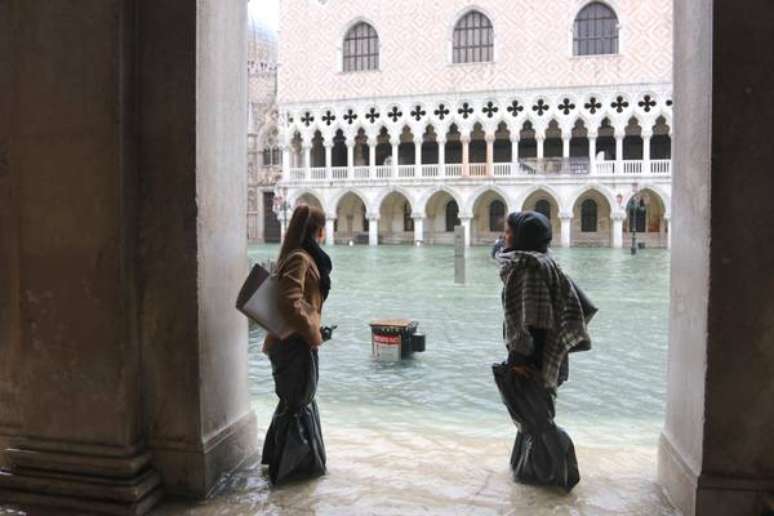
[(591, 223), (489, 212), (442, 215), (351, 220), (395, 223), (649, 223)]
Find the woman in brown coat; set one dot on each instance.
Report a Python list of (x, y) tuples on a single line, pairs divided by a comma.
[(294, 447)]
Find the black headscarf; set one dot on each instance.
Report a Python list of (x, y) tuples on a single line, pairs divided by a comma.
[(323, 262), (531, 231)]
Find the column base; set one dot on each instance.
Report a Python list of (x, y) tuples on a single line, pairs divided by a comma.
[(709, 494), (122, 485), (193, 472)]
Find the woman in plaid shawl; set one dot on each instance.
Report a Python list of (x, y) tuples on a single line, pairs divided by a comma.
[(545, 319)]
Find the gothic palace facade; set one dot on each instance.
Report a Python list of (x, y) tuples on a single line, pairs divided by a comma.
[(402, 119)]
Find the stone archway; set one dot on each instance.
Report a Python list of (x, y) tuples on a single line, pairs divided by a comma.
[(591, 224), (489, 211), (396, 226), (651, 226), (352, 222), (437, 208)]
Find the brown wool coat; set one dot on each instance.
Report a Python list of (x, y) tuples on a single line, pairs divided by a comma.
[(299, 297)]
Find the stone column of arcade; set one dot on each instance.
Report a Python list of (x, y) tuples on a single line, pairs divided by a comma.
[(465, 223), (330, 230), (619, 140), (566, 229), (350, 158), (373, 230), (395, 156), (441, 157), (465, 140), (515, 136), (646, 134), (490, 139), (617, 237), (419, 227), (540, 141), (127, 244), (592, 136), (418, 156), (716, 455)]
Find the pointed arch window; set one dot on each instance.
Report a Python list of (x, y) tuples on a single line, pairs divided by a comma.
[(595, 31), (361, 48), (589, 216), (452, 216), (473, 39), (496, 216)]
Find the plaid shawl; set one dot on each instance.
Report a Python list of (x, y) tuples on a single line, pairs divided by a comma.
[(537, 294)]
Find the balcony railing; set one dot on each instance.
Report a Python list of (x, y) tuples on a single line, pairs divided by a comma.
[(453, 169), (431, 170), (549, 167), (405, 171), (477, 169), (361, 172)]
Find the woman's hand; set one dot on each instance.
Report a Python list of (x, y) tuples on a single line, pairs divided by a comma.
[(316, 341)]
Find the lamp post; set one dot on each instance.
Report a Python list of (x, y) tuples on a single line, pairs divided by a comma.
[(635, 209)]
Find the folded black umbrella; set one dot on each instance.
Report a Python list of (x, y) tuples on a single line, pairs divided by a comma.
[(543, 453)]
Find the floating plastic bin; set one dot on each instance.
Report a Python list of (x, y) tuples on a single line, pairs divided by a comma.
[(394, 339)]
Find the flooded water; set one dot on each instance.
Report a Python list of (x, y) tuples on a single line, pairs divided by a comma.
[(430, 435), (615, 395)]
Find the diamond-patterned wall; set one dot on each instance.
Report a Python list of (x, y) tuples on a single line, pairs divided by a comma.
[(533, 48)]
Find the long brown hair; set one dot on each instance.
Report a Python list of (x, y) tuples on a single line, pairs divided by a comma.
[(306, 222)]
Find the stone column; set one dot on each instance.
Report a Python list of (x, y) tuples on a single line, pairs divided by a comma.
[(619, 138), (465, 140), (133, 370), (307, 149), (565, 148), (540, 146), (465, 222), (328, 148), (373, 230), (350, 158), (442, 158), (395, 156), (617, 230), (285, 163), (566, 229), (372, 156), (419, 225), (490, 138), (646, 136), (716, 455), (515, 153), (330, 230), (418, 156), (592, 152)]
